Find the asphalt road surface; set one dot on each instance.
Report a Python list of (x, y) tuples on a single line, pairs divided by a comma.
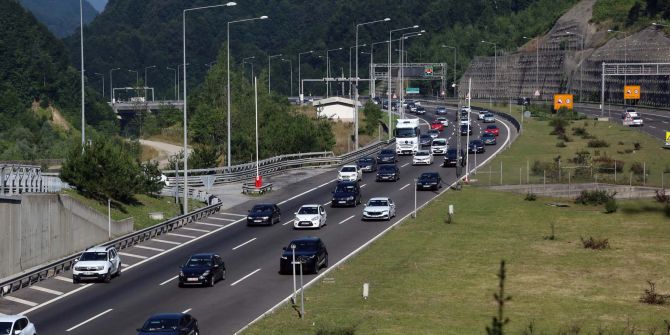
[(656, 122), (148, 284)]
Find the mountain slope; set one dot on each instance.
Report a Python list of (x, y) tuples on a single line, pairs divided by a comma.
[(60, 16)]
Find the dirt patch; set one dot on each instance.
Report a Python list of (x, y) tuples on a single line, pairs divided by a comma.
[(58, 120)]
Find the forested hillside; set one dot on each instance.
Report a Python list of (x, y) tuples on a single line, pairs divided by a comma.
[(60, 16), (35, 73)]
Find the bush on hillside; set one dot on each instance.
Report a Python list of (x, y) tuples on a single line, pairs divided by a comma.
[(596, 197), (595, 143), (595, 244)]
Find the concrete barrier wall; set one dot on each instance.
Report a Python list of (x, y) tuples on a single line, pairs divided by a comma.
[(37, 228)]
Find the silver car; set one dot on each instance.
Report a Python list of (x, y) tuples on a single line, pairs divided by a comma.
[(379, 208)]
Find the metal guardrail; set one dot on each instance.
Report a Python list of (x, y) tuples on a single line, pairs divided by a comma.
[(52, 269)]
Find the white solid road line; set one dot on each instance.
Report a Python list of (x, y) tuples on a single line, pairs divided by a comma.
[(363, 185), (181, 235), (221, 219), (148, 248), (245, 277), (234, 214), (89, 320), (287, 222), (20, 301), (188, 310), (196, 229), (251, 240), (402, 188), (165, 241), (61, 278), (46, 290), (666, 122), (347, 219), (209, 224), (132, 255), (404, 165), (303, 193), (651, 127), (326, 203), (167, 281)]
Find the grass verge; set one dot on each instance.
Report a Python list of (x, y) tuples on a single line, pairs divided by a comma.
[(139, 211), (428, 277)]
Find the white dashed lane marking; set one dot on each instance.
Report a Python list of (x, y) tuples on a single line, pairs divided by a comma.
[(148, 248), (402, 188), (65, 279), (233, 214), (196, 229), (167, 281), (127, 254), (208, 224), (221, 219), (347, 219), (46, 290), (165, 241), (89, 320), (247, 242), (20, 301), (181, 235), (245, 277)]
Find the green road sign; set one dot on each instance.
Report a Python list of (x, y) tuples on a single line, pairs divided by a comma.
[(412, 90)]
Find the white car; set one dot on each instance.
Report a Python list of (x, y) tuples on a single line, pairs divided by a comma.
[(444, 121), (97, 263), (350, 173), (16, 325), (379, 209), (465, 122), (310, 216), (481, 115), (439, 146), (422, 157)]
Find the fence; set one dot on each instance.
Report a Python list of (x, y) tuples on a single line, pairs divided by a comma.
[(52, 269)]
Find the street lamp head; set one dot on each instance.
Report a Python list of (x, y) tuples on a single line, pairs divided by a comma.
[(608, 30), (263, 17), (387, 19), (230, 4), (415, 26), (423, 31)]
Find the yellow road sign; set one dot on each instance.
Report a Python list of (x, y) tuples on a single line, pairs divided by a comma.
[(631, 92), (667, 138), (563, 100)]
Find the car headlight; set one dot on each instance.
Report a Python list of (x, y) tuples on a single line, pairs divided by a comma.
[(316, 218), (206, 273), (284, 257), (385, 211), (350, 198), (181, 273), (250, 217), (99, 267), (265, 217), (296, 220), (310, 257)]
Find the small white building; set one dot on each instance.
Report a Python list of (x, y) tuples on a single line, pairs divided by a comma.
[(336, 108)]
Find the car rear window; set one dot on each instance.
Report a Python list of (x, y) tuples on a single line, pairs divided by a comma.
[(261, 208), (386, 168)]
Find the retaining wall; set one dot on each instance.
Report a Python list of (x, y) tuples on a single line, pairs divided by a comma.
[(37, 228)]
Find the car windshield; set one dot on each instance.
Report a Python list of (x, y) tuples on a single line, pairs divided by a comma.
[(345, 188), (464, 127), (93, 256), (406, 132), (159, 325), (451, 152), (488, 135), (386, 168), (261, 208), (378, 203), (198, 261), (422, 153), (308, 210), (488, 115), (348, 169), (427, 176), (303, 245), (492, 127), (426, 137), (439, 141), (433, 131), (387, 152), (5, 327), (365, 161)]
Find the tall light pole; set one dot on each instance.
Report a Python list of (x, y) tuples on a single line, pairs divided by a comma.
[(350, 67), (270, 68), (228, 121), (625, 50), (244, 61), (291, 64), (229, 4), (389, 74), (453, 69), (300, 90), (111, 84), (81, 40), (580, 63), (356, 86), (328, 69), (146, 81), (402, 65), (137, 77), (103, 82), (175, 81), (537, 63), (179, 79), (495, 67)]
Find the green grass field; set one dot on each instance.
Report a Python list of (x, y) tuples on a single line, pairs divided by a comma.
[(536, 143), (140, 211), (429, 277)]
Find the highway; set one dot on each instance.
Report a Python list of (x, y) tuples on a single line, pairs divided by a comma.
[(148, 284)]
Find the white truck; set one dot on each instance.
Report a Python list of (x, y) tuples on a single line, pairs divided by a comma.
[(407, 134), (631, 118)]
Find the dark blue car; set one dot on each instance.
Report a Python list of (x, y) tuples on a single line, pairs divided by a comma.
[(387, 156), (202, 269), (170, 324), (309, 250), (347, 193)]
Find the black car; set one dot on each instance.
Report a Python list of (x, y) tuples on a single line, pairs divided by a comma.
[(523, 101), (367, 164), (387, 156), (425, 140), (310, 251), (347, 193), (476, 146), (411, 107), (170, 324), (420, 110), (202, 269), (388, 173), (454, 157), (263, 214), (466, 130), (376, 101), (441, 111), (429, 181)]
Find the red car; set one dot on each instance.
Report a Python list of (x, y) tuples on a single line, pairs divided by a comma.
[(437, 125), (492, 129)]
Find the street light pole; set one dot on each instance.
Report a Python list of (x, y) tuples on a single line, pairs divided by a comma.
[(402, 57), (175, 81), (495, 67), (580, 63), (453, 69), (179, 79), (350, 53), (103, 83), (328, 69), (81, 38), (537, 65), (300, 90), (291, 64), (230, 154), (244, 61), (146, 82), (389, 75), (137, 77), (111, 84), (356, 86), (625, 50), (229, 4), (270, 69)]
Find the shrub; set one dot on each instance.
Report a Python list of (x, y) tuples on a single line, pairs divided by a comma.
[(621, 143), (581, 158), (578, 131), (564, 137), (662, 197), (628, 151), (608, 165), (637, 146), (651, 297), (637, 169), (595, 244), (598, 144), (611, 206), (530, 196), (560, 144), (597, 197)]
